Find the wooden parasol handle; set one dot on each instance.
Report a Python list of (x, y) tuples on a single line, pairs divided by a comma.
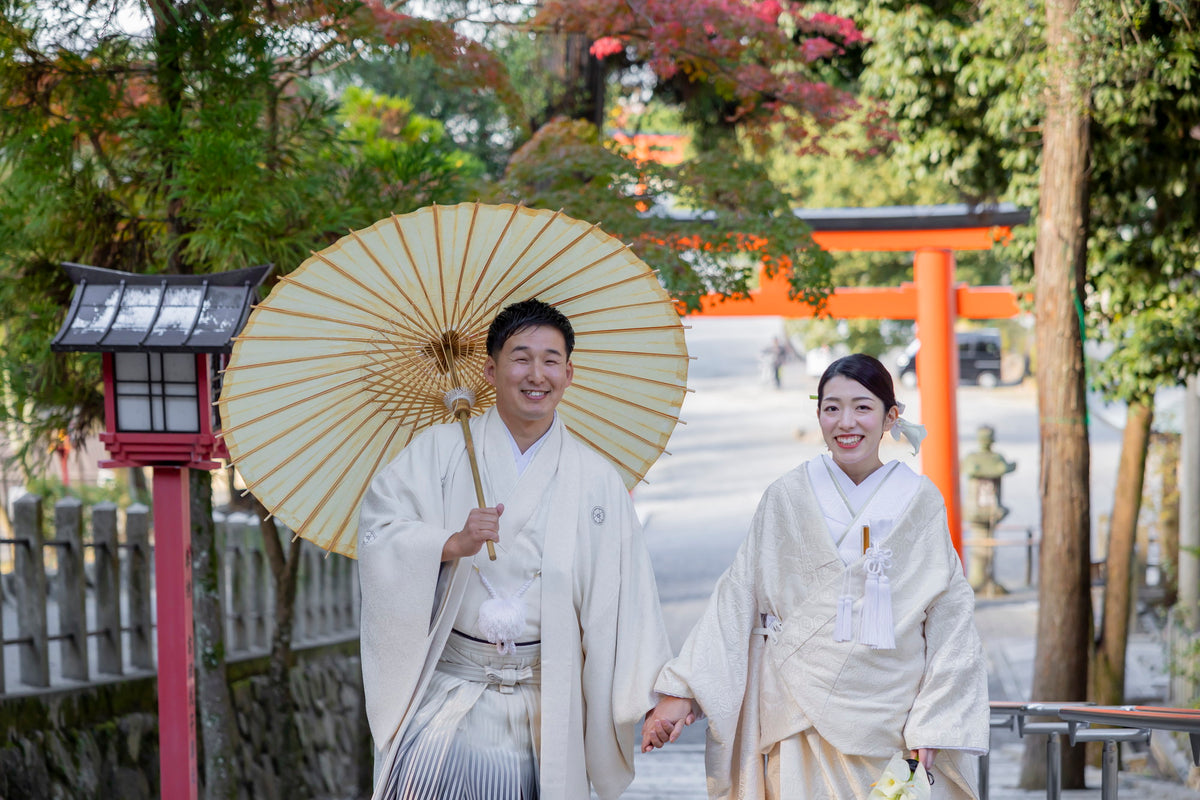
[(462, 412)]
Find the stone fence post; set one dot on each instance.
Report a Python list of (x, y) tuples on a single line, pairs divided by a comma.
[(72, 588), (239, 581), (31, 591), (107, 562), (308, 595), (262, 605), (138, 566)]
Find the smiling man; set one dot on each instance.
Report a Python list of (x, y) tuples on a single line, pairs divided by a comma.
[(521, 677)]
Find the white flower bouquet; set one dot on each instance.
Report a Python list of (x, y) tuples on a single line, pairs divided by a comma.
[(903, 779)]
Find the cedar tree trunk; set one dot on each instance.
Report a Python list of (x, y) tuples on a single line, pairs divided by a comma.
[(1064, 629), (285, 567), (1108, 677)]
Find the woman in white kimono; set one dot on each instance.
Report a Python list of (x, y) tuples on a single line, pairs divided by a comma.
[(844, 630)]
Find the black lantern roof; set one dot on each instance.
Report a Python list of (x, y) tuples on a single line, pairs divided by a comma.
[(115, 311)]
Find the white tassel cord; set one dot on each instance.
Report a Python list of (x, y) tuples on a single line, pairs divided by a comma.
[(877, 629), (501, 619), (843, 627)]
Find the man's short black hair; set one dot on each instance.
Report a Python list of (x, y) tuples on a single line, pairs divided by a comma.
[(531, 313)]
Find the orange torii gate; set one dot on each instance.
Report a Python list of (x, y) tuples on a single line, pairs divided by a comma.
[(933, 299)]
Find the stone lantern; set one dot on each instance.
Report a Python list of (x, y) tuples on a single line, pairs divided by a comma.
[(984, 468)]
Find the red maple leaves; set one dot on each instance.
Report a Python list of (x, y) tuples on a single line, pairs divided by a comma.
[(760, 55)]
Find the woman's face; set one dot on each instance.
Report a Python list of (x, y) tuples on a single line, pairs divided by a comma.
[(853, 423)]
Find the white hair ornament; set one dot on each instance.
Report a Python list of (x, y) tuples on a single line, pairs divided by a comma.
[(911, 431)]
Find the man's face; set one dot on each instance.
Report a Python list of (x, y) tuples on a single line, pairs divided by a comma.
[(530, 374)]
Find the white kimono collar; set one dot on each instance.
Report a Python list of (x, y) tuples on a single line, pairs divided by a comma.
[(870, 501), (846, 507), (522, 459)]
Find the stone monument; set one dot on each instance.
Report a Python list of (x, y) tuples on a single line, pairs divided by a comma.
[(984, 468)]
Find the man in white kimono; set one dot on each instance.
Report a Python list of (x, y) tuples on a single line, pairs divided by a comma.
[(521, 677)]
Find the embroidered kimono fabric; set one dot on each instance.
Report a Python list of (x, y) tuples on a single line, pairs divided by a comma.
[(829, 714), (596, 594)]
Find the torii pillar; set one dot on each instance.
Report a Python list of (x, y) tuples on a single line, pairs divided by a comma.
[(934, 233)]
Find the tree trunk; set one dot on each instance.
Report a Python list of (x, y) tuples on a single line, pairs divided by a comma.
[(214, 705), (1168, 447), (1108, 676), (139, 488), (169, 44), (285, 567), (580, 77), (1064, 629)]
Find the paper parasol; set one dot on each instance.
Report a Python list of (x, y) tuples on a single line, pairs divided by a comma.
[(355, 352)]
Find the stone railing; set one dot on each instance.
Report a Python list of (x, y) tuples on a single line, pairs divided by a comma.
[(79, 607)]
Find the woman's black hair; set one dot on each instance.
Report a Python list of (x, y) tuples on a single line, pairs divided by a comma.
[(868, 371), (531, 313)]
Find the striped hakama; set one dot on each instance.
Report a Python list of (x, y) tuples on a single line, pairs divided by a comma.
[(475, 735)]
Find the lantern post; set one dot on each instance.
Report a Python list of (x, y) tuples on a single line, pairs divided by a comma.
[(164, 339)]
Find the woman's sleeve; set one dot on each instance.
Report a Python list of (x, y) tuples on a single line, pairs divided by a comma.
[(711, 665), (951, 707)]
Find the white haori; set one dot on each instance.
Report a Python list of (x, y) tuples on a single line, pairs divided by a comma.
[(596, 594), (473, 736), (930, 691)]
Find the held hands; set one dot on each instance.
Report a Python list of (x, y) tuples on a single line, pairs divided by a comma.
[(666, 721), (925, 755), (482, 525)]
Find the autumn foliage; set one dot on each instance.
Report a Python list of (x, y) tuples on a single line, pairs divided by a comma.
[(761, 58)]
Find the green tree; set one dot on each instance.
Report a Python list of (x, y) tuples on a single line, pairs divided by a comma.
[(110, 146), (1143, 253), (732, 73), (402, 159), (967, 86), (201, 144)]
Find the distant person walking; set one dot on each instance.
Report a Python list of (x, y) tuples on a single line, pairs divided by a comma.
[(774, 357)]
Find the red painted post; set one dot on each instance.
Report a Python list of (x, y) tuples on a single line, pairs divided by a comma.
[(176, 644), (937, 373)]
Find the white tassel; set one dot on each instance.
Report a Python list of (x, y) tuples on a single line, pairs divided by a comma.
[(501, 620), (842, 627), (877, 629)]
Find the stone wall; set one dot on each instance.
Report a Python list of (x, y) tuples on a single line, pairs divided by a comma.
[(101, 741)]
